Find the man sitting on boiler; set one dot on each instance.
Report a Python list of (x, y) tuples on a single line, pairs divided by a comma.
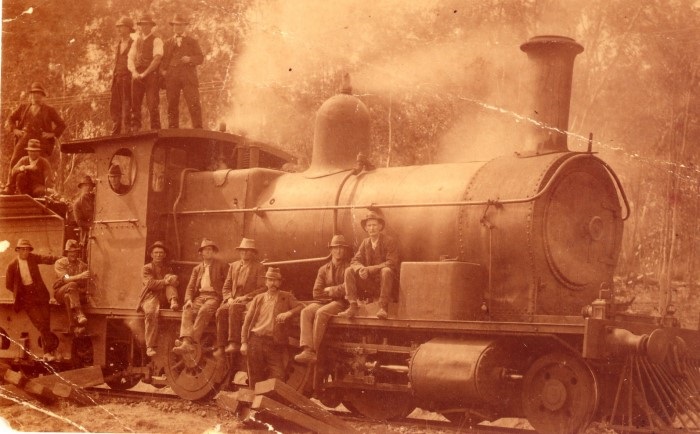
[(373, 267)]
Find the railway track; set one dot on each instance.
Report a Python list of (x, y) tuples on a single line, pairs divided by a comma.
[(409, 424)]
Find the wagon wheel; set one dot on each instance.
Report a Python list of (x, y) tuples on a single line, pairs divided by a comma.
[(560, 394), (379, 405), (197, 375)]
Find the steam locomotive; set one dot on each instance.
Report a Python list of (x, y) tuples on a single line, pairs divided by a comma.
[(505, 305)]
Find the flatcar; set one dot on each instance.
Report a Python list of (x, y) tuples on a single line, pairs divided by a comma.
[(505, 306)]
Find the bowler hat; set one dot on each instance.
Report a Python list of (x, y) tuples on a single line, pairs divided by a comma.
[(33, 145), (207, 243), (247, 244), (338, 241), (372, 216), (72, 246), (23, 243), (37, 87), (146, 19), (158, 244), (86, 180), (115, 170), (125, 22), (273, 273), (179, 19)]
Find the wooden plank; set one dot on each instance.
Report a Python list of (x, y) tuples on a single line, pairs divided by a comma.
[(10, 392), (83, 377), (64, 390), (14, 377), (235, 401), (285, 394), (41, 392), (269, 406)]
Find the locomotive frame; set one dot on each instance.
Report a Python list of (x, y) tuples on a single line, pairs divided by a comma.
[(505, 305)]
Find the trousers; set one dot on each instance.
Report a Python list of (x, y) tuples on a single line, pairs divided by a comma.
[(356, 287), (196, 318), (148, 87), (314, 320), (265, 359), (229, 322), (120, 103), (151, 305), (186, 82), (40, 316)]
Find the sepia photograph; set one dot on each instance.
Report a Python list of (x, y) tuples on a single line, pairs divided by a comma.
[(350, 216)]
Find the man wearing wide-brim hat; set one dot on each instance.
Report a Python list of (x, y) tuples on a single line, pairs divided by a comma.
[(265, 333), (32, 174), (245, 279), (329, 299), (23, 279), (114, 177), (144, 60), (120, 101), (159, 290), (373, 269), (83, 208), (179, 67), (202, 296), (34, 120), (71, 285)]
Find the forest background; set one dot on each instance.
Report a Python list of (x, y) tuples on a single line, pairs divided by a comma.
[(442, 80)]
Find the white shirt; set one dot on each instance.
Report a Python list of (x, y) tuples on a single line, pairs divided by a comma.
[(206, 279), (157, 49), (24, 272)]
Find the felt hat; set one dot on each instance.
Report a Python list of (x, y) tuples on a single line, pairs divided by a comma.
[(146, 19), (158, 244), (372, 216), (23, 243), (273, 273), (115, 170), (86, 180), (338, 241), (247, 244), (71, 246), (125, 22), (179, 19), (33, 145), (207, 243), (38, 88)]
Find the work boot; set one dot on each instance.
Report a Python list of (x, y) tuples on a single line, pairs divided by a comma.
[(307, 357), (218, 353), (150, 351), (382, 314), (233, 347), (50, 356), (80, 317), (79, 331), (174, 305), (350, 312), (185, 348)]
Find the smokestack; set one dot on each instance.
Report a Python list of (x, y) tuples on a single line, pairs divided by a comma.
[(553, 61)]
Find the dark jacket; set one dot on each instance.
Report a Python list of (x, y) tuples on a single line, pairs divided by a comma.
[(280, 331), (153, 280), (13, 280), (84, 209), (47, 120), (385, 255), (326, 278), (172, 54), (40, 174), (254, 284), (217, 274)]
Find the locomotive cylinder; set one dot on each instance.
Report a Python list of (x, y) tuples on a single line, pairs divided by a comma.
[(457, 372)]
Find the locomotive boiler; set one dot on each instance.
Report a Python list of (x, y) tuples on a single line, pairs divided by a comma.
[(505, 304)]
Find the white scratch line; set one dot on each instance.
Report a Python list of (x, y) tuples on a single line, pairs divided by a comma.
[(42, 410), (75, 386), (27, 12)]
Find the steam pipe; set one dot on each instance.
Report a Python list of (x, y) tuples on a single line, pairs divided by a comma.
[(422, 204)]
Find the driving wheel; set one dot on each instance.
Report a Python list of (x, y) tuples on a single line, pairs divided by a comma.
[(560, 394), (197, 375)]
